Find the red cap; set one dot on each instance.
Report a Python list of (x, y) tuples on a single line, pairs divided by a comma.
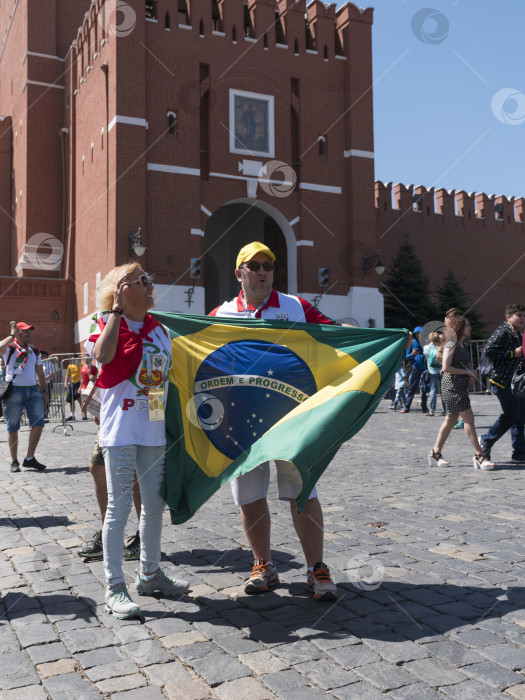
[(24, 326)]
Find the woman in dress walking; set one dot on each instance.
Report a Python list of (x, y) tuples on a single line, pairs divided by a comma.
[(458, 375)]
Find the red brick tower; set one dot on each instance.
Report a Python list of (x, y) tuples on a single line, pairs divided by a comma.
[(205, 123)]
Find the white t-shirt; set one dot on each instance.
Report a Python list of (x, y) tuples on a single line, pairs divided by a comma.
[(124, 414), (26, 376)]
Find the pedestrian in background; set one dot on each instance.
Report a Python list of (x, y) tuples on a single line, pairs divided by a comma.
[(415, 355), (457, 377), (431, 351)]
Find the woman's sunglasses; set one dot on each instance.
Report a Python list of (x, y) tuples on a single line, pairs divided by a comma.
[(145, 280), (255, 266)]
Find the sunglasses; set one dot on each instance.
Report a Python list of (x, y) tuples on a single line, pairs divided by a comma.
[(145, 281), (255, 266)]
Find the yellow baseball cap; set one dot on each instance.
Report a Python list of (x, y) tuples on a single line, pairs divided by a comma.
[(247, 253)]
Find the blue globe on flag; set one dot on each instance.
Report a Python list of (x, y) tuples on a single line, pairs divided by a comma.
[(246, 386)]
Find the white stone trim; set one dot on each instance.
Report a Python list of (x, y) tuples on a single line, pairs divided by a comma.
[(305, 243), (41, 55), (281, 46), (359, 305), (340, 58), (295, 221), (37, 82), (175, 169), (360, 154), (206, 211), (329, 189), (151, 19), (216, 33), (185, 26), (250, 39), (196, 232), (121, 119), (172, 298), (311, 51), (226, 176)]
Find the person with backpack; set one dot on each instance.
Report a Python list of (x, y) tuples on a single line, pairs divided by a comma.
[(23, 368)]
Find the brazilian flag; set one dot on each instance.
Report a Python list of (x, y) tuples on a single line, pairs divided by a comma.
[(245, 391)]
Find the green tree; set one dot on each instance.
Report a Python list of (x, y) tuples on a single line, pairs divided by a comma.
[(408, 302), (451, 293)]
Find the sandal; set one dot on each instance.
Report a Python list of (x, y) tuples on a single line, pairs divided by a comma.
[(435, 459), (482, 462)]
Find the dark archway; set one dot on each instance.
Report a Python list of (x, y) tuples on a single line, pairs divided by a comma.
[(230, 228)]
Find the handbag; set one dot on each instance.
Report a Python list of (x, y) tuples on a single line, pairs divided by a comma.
[(92, 402), (517, 383), (5, 389), (6, 385)]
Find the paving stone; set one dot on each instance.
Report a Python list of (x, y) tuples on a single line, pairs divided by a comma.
[(385, 676), (56, 668), (219, 668), (121, 683), (421, 691), (283, 680), (35, 692), (324, 675), (187, 690), (16, 670), (358, 691), (146, 693), (160, 674), (435, 672), (507, 655), (472, 690), (97, 657), (236, 644), (86, 639), (296, 652), (493, 675), (354, 655), (478, 638), (242, 688), (261, 662), (111, 670), (36, 634), (516, 691), (70, 685)]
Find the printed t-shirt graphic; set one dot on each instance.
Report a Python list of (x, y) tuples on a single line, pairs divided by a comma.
[(124, 407)]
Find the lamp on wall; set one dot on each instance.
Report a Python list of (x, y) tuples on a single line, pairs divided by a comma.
[(373, 261), (135, 243)]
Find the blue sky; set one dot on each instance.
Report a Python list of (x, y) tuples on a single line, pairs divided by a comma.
[(449, 102)]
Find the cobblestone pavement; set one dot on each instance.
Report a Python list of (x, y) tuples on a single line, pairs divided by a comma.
[(430, 562)]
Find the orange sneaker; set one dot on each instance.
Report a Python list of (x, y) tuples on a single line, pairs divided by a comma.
[(264, 576), (320, 582)]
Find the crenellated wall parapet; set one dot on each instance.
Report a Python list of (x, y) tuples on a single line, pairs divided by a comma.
[(438, 206), (313, 28)]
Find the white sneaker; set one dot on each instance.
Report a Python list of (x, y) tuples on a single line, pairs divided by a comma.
[(161, 583), (120, 604)]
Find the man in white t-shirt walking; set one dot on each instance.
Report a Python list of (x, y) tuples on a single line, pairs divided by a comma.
[(257, 299), (24, 367)]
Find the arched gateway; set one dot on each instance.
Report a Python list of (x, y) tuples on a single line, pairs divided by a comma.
[(232, 226)]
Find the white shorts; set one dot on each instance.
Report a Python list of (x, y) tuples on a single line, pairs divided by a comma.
[(253, 485)]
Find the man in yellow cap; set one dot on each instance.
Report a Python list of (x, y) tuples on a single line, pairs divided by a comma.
[(258, 299)]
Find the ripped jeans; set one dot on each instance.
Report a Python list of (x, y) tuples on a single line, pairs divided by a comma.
[(121, 464)]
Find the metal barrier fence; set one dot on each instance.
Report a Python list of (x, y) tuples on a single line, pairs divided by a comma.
[(482, 385)]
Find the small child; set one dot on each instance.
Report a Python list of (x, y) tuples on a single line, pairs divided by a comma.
[(399, 386)]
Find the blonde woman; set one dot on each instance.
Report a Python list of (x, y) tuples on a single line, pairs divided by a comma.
[(457, 376), (135, 353)]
